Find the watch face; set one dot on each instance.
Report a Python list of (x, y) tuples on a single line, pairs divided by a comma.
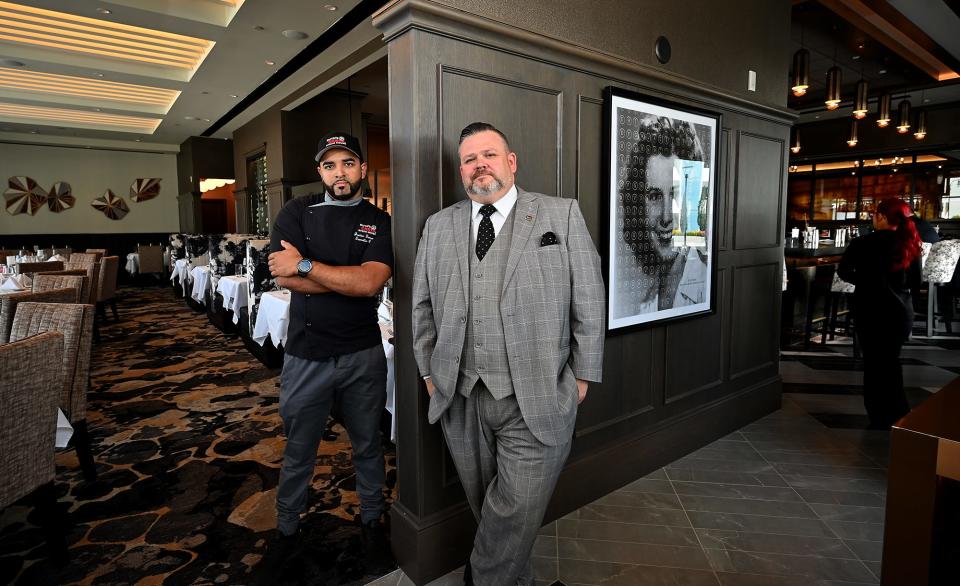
[(304, 266)]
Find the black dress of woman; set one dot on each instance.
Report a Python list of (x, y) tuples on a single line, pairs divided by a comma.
[(883, 317)]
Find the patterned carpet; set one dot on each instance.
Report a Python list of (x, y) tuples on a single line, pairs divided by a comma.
[(188, 443)]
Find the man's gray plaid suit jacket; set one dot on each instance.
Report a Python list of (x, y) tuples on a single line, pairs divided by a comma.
[(552, 308)]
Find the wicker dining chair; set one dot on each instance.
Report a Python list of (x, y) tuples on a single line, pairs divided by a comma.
[(48, 282), (85, 257), (28, 409), (93, 276), (107, 289), (29, 268), (75, 322), (151, 259), (8, 304)]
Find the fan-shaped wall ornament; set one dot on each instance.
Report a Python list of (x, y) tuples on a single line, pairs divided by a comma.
[(24, 196), (60, 197), (144, 189), (111, 205)]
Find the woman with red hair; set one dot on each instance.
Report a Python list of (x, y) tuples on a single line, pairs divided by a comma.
[(884, 265)]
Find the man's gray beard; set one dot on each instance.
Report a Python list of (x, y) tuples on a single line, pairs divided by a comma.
[(494, 186)]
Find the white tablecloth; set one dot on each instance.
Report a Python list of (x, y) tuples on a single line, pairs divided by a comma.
[(273, 317), (133, 263), (181, 271), (201, 282), (234, 291)]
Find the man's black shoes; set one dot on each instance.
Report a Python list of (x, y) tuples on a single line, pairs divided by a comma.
[(280, 550), (376, 546)]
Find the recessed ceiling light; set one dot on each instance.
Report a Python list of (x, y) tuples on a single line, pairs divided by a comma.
[(206, 119), (104, 11), (98, 109), (33, 132), (11, 63), (882, 71), (817, 116), (295, 35), (234, 96), (269, 62), (330, 7), (856, 57), (188, 118), (925, 100), (98, 74)]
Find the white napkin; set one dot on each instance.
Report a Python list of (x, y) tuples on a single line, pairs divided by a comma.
[(12, 283), (64, 430), (57, 257)]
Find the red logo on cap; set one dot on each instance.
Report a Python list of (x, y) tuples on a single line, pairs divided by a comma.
[(336, 140)]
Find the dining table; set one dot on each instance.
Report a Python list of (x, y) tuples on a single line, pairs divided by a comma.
[(273, 318), (201, 283), (233, 289)]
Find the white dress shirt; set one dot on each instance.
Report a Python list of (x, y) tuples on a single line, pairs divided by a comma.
[(499, 217)]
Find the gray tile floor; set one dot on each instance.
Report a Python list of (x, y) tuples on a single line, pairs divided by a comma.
[(794, 499)]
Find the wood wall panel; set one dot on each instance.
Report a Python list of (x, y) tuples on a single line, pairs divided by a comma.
[(528, 114), (695, 350), (755, 314), (758, 203)]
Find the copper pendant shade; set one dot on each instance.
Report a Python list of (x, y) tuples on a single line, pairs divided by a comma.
[(903, 117), (795, 143), (860, 106), (833, 88), (883, 111), (852, 141), (801, 72), (921, 132)]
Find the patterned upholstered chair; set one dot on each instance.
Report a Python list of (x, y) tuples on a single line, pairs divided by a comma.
[(178, 251), (197, 247), (255, 266), (107, 288), (28, 409), (75, 322), (8, 304), (226, 252)]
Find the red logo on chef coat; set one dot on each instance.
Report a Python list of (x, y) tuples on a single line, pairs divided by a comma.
[(365, 233)]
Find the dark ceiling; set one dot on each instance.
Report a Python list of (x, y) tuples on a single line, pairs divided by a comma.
[(832, 40)]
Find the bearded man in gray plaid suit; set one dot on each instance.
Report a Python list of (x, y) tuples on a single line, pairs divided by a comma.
[(508, 309)]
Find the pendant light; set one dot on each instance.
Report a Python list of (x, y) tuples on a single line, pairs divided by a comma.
[(852, 141), (801, 72), (795, 143), (860, 106), (833, 88), (921, 132), (903, 117), (883, 112)]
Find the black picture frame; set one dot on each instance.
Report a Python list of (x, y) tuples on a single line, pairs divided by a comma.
[(659, 263)]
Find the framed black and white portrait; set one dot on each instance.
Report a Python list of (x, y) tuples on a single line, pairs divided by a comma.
[(660, 166)]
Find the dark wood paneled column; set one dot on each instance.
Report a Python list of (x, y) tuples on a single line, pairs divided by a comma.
[(667, 390)]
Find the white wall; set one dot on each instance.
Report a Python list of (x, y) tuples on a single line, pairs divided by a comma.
[(91, 172)]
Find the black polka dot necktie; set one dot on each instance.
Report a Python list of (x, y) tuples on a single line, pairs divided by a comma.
[(485, 234)]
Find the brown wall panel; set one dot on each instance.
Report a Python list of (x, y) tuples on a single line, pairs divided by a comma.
[(753, 345), (758, 205), (529, 115), (695, 351)]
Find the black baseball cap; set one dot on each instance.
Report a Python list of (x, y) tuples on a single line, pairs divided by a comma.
[(339, 140)]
